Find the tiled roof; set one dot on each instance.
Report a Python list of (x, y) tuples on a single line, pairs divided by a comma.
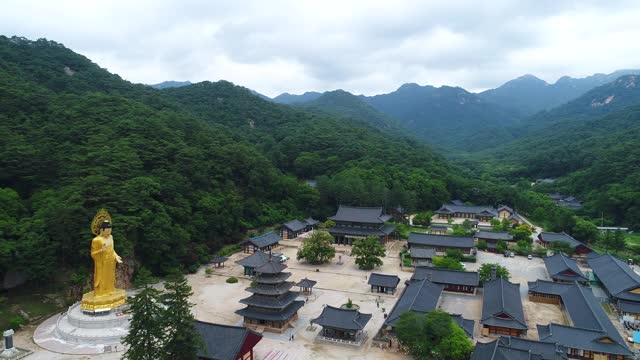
[(616, 276), (370, 215), (422, 253), (434, 240), (502, 297), (453, 208), (382, 231), (254, 260), (342, 318), (590, 322), (306, 283), (494, 235), (513, 348), (560, 267), (445, 276), (557, 237), (389, 281), (467, 325), (224, 342), (295, 225), (264, 240), (420, 296)]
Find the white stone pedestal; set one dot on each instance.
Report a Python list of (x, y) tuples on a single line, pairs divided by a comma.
[(75, 332)]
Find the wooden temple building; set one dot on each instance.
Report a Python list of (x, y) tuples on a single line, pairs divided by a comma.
[(353, 223), (272, 306), (342, 325)]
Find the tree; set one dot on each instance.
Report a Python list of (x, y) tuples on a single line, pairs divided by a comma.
[(368, 252), (501, 246), (433, 335), (523, 247), (486, 270), (522, 232), (329, 223), (617, 242), (423, 218), (146, 329), (482, 245), (585, 231), (317, 249), (182, 340), (447, 263), (561, 247), (455, 254)]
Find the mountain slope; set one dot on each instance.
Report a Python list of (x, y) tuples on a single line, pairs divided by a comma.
[(595, 156), (170, 84), (74, 138), (287, 98), (448, 117), (600, 101), (528, 94), (345, 104)]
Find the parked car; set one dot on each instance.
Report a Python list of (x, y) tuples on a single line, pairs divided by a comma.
[(512, 255), (529, 257)]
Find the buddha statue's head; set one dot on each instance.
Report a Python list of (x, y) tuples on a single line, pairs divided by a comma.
[(105, 228)]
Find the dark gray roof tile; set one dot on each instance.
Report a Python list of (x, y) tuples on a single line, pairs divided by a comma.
[(224, 342), (502, 297), (562, 267), (445, 276), (389, 281), (342, 318), (450, 241)]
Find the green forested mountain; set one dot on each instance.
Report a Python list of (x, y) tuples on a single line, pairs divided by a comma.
[(596, 158), (528, 94), (342, 103), (287, 98), (182, 170), (448, 117), (170, 84), (602, 100)]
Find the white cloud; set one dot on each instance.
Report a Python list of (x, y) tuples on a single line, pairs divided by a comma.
[(360, 46)]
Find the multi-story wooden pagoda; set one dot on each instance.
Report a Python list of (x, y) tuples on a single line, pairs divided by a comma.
[(272, 306)]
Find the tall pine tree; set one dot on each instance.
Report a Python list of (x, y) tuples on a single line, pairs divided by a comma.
[(146, 332), (182, 340)]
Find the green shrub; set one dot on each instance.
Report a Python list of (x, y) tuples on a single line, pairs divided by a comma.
[(406, 261), (16, 322), (228, 250), (469, 259), (208, 271), (232, 280), (482, 245), (254, 283)]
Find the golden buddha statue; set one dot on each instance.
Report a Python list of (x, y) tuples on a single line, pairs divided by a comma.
[(104, 296)]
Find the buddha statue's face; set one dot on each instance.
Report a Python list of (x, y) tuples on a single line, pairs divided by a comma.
[(105, 232)]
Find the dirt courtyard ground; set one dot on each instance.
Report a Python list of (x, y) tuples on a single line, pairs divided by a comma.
[(215, 301)]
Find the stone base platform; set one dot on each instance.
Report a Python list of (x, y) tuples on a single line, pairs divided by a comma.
[(14, 354), (93, 303), (76, 332)]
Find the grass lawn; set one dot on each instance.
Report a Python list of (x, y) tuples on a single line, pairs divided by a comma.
[(33, 304), (633, 240)]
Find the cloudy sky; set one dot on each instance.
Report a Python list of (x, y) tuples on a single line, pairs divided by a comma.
[(365, 47)]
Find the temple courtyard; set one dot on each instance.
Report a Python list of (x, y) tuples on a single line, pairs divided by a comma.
[(215, 301)]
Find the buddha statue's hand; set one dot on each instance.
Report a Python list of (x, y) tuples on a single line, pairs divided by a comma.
[(118, 259)]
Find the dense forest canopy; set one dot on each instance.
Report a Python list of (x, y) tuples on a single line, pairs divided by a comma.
[(186, 170), (182, 170)]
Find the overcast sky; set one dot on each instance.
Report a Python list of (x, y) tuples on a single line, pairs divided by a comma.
[(365, 47)]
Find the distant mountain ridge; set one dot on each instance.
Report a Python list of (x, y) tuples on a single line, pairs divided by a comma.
[(286, 98), (345, 104), (170, 84), (448, 117), (529, 94)]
